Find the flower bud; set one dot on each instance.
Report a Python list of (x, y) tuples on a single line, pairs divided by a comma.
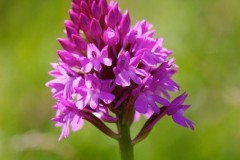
[(95, 28), (96, 10), (74, 17), (68, 23), (84, 22), (80, 43), (71, 31), (66, 44), (84, 8), (111, 19), (104, 6), (68, 58), (124, 26), (110, 37)]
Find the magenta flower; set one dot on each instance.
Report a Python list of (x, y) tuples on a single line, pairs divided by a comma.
[(109, 72), (90, 92), (95, 58), (176, 109), (149, 97), (67, 118), (125, 71)]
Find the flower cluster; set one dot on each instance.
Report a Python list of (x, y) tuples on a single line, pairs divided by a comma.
[(107, 67)]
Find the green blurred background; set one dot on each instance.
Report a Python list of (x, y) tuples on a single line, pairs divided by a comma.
[(205, 38)]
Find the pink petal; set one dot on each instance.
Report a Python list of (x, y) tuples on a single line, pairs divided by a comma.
[(76, 123), (123, 79), (94, 102), (141, 104), (107, 61), (104, 52), (135, 78), (97, 66), (180, 99), (149, 59), (65, 131), (154, 107), (106, 97), (80, 104), (160, 100), (183, 121), (86, 65)]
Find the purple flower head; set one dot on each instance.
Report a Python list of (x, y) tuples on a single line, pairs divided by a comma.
[(106, 68)]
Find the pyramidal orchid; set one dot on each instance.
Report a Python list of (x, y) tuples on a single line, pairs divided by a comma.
[(108, 72)]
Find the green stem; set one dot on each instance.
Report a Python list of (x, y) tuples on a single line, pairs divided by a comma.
[(125, 141), (126, 147)]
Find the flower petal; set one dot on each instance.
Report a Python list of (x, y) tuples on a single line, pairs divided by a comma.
[(160, 100), (135, 78), (106, 97), (141, 104), (94, 101), (180, 99), (149, 59), (183, 121), (107, 61), (76, 123), (97, 66), (154, 107), (65, 131), (123, 79), (86, 65)]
